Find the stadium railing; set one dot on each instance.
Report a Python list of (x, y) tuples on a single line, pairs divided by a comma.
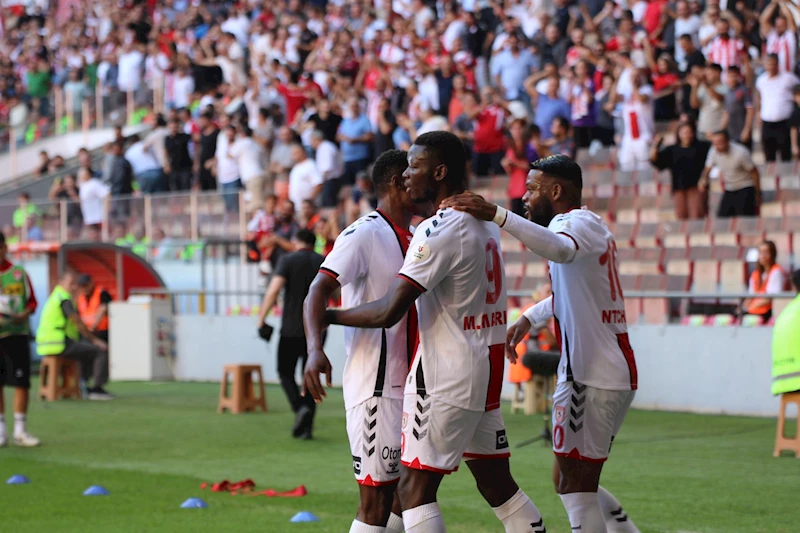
[(101, 107), (148, 221)]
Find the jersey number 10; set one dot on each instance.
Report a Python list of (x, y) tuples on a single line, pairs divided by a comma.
[(609, 259)]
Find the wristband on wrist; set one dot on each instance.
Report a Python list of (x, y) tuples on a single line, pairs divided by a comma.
[(500, 216)]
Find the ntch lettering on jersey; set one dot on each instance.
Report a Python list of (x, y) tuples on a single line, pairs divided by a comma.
[(614, 316), (484, 321)]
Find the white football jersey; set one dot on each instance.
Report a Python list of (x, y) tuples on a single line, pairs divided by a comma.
[(455, 259), (365, 261), (589, 307)]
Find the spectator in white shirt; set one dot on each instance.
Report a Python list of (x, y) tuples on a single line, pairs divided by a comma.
[(251, 160), (146, 170), (182, 89), (775, 106), (228, 176), (305, 180), (330, 165), (130, 66), (93, 193)]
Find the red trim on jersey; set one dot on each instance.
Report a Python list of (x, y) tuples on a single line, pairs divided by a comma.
[(627, 352), (577, 456), (31, 305), (367, 482), (412, 335), (413, 282), (403, 235), (496, 367), (487, 455), (571, 237), (329, 272), (416, 465)]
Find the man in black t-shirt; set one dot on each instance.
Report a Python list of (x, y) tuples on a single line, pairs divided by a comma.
[(179, 169), (294, 275), (326, 120)]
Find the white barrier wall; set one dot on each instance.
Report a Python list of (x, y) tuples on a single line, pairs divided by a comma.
[(698, 369)]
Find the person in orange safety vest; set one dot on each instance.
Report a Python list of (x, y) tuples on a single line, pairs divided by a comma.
[(767, 278), (93, 303)]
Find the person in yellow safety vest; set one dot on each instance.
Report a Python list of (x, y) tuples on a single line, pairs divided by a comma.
[(786, 346), (93, 303), (59, 333), (767, 278), (17, 304)]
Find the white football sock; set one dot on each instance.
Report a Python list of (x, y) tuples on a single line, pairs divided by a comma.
[(2, 424), (520, 515), (361, 527), (395, 524), (617, 521), (584, 512), (424, 519), (19, 424)]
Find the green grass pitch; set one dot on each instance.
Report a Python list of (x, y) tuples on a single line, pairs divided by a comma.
[(152, 447)]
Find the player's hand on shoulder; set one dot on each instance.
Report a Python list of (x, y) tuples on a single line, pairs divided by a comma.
[(471, 203), (316, 365), (514, 336)]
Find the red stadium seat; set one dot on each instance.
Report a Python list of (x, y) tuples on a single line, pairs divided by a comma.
[(700, 245), (653, 282), (633, 310), (726, 246), (655, 311), (732, 276), (705, 277)]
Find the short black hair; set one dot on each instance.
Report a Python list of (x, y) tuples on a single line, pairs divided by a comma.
[(160, 120), (307, 237), (562, 168), (715, 66), (449, 151), (2, 238), (388, 164), (724, 133), (734, 69), (84, 280), (796, 279), (562, 121)]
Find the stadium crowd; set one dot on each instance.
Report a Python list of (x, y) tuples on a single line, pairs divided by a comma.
[(297, 99)]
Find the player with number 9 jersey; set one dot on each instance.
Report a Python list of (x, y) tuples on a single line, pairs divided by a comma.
[(452, 393)]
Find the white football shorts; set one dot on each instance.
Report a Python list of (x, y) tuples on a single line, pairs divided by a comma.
[(437, 435), (373, 428), (586, 420)]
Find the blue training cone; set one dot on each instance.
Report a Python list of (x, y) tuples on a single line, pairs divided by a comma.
[(304, 516), (95, 490), (194, 503), (18, 479)]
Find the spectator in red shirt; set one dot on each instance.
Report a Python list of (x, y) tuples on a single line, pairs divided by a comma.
[(517, 166), (489, 143), (294, 95)]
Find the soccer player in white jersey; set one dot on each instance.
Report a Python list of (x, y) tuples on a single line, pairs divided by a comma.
[(364, 262), (451, 410), (597, 371)]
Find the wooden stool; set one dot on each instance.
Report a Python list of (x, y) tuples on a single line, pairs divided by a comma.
[(781, 441), (53, 372), (534, 400), (242, 398)]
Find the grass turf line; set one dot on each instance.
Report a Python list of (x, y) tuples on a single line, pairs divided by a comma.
[(152, 447)]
